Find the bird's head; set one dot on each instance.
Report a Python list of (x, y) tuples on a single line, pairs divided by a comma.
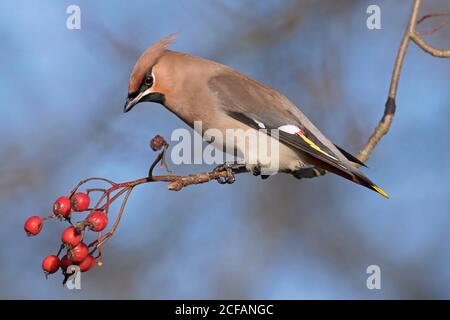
[(149, 78)]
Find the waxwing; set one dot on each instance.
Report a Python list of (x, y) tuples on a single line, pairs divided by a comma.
[(221, 98)]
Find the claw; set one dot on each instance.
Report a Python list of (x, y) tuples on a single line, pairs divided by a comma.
[(230, 178), (256, 171)]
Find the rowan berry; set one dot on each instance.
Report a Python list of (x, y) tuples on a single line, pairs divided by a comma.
[(50, 264), (33, 225), (97, 220), (71, 237), (80, 201), (62, 207), (78, 253)]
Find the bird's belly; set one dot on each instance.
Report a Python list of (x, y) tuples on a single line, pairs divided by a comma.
[(257, 150)]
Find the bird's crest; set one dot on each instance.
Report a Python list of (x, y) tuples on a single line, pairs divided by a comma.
[(147, 60)]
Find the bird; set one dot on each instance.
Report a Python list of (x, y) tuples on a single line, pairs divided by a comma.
[(198, 89)]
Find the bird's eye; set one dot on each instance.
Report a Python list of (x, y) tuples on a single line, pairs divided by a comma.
[(148, 81)]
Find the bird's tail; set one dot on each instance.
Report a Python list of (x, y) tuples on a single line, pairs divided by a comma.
[(349, 173), (366, 182)]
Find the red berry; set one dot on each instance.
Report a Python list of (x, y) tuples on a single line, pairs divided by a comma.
[(80, 201), (87, 263), (33, 225), (71, 236), (65, 263), (61, 207), (78, 253), (97, 220), (50, 264)]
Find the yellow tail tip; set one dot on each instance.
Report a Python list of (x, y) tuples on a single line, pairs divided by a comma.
[(380, 191)]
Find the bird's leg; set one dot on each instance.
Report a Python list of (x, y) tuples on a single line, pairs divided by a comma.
[(229, 168)]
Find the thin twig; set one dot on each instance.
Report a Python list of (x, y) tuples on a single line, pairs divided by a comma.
[(433, 15), (390, 106), (158, 159), (429, 49), (175, 183), (438, 27), (72, 192), (435, 29), (105, 238)]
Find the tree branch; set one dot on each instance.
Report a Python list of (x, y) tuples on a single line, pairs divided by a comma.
[(429, 49), (390, 106)]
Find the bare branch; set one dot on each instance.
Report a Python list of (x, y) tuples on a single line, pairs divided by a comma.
[(429, 49), (389, 110)]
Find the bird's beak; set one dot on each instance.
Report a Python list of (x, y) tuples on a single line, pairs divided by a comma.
[(132, 101)]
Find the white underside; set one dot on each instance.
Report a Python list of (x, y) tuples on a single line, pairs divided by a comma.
[(262, 152)]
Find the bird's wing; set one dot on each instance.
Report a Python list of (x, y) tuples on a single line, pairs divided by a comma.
[(350, 157), (254, 103), (302, 140), (259, 107), (292, 135)]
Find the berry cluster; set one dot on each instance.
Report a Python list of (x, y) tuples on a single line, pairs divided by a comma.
[(77, 251), (74, 248)]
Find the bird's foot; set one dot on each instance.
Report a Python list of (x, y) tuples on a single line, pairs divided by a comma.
[(257, 172), (229, 169)]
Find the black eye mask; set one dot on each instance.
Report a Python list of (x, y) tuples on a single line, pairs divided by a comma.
[(147, 82)]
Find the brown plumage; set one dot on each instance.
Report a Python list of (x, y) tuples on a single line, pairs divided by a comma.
[(146, 60), (196, 89)]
